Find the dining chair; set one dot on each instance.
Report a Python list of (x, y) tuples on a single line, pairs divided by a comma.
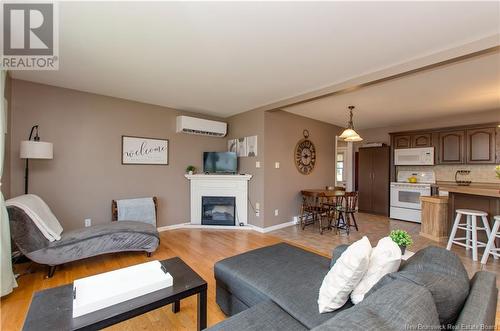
[(346, 210), (315, 209)]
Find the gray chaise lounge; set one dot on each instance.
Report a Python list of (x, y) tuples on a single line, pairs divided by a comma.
[(79, 244), (276, 288)]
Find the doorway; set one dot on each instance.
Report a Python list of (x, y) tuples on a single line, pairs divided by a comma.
[(344, 164)]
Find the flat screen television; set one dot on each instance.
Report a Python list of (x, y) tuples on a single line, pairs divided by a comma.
[(220, 162)]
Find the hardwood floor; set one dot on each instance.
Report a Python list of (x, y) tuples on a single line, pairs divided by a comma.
[(200, 249)]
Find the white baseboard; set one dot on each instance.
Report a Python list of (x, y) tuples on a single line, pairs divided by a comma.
[(199, 226), (273, 228), (172, 227), (222, 227)]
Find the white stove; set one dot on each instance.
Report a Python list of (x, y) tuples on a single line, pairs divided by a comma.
[(405, 196)]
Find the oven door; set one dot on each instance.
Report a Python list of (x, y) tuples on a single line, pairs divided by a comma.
[(407, 197)]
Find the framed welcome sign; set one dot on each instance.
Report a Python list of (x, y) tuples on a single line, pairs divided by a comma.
[(142, 150)]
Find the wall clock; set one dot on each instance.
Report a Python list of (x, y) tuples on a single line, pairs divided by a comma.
[(305, 155)]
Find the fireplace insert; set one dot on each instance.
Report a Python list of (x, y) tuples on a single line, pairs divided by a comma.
[(218, 210)]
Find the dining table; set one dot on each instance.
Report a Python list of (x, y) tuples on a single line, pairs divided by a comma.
[(316, 202), (322, 193)]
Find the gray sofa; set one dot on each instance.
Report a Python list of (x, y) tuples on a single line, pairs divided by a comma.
[(79, 244), (276, 288)]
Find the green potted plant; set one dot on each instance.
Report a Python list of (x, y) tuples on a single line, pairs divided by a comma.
[(191, 169), (401, 238)]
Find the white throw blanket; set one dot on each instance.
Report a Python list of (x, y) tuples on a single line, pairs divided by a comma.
[(39, 213), (140, 210)]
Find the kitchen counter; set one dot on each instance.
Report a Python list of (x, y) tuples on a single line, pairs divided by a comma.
[(487, 190)]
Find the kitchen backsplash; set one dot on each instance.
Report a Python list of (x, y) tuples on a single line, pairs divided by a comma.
[(478, 173)]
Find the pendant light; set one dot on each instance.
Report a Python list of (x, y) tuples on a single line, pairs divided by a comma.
[(349, 134)]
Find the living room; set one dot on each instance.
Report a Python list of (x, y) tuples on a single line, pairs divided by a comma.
[(292, 128)]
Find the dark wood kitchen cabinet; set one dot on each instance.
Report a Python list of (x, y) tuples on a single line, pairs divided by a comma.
[(452, 147), (481, 145), (421, 140), (373, 179), (402, 141), (413, 140)]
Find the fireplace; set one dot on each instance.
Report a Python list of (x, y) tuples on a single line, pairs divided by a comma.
[(218, 210)]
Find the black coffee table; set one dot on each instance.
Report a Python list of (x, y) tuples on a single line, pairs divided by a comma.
[(52, 309)]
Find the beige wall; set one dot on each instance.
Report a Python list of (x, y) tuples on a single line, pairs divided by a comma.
[(243, 125), (282, 186), (86, 172), (6, 167)]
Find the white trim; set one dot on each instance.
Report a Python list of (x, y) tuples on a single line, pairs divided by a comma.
[(199, 226), (272, 228), (171, 227), (221, 227)]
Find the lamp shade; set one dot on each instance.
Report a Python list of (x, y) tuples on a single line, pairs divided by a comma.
[(348, 133), (354, 138), (36, 150)]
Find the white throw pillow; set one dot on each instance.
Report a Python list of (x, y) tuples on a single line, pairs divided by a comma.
[(345, 274), (385, 258)]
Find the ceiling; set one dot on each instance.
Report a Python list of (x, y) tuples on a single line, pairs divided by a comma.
[(223, 58), (464, 87)]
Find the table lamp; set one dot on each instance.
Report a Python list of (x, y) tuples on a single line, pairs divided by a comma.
[(33, 148)]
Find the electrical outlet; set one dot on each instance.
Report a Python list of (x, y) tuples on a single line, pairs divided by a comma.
[(276, 212), (277, 165), (88, 222), (257, 164)]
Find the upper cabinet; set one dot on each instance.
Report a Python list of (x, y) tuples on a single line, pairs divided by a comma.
[(472, 144), (413, 140), (421, 140), (481, 145), (402, 141), (452, 147)]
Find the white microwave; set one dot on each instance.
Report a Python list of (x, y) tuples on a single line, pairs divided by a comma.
[(414, 156)]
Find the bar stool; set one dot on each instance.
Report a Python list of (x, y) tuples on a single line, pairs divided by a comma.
[(470, 229), (490, 247)]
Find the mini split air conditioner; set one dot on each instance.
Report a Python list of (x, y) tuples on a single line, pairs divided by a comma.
[(193, 125)]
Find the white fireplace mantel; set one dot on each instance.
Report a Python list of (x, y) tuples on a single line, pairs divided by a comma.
[(220, 186)]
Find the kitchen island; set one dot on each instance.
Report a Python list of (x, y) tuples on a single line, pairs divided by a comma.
[(484, 197), (438, 212)]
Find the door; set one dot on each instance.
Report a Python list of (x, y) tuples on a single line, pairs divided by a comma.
[(481, 145), (365, 179), (421, 140), (402, 141), (452, 147), (380, 184)]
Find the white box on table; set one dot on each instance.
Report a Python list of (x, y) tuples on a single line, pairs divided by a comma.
[(110, 288)]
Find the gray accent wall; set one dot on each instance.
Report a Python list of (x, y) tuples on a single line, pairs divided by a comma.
[(282, 186), (86, 172)]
